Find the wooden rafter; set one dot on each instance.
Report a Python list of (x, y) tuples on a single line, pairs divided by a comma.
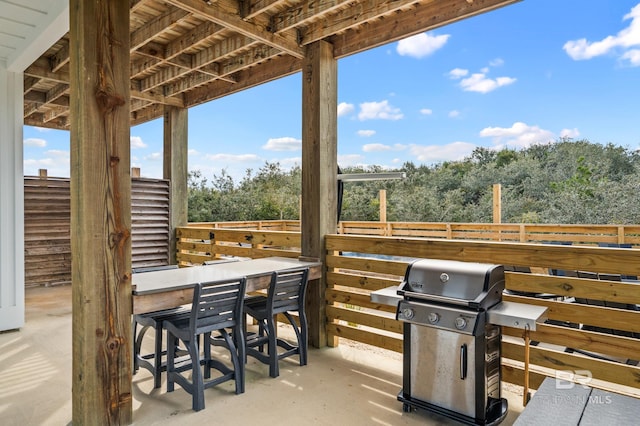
[(186, 52), (224, 12)]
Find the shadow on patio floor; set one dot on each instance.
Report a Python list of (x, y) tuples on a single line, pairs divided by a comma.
[(353, 384)]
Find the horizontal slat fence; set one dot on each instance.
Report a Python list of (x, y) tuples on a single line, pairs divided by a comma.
[(197, 244), (508, 232), (358, 265), (47, 242), (150, 201), (47, 227)]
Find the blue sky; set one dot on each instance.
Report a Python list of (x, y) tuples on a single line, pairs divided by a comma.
[(532, 72)]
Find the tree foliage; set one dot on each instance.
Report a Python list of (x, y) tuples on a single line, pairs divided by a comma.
[(563, 182)]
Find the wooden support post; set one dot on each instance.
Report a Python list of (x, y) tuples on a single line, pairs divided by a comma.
[(135, 172), (175, 169), (42, 173), (497, 203), (319, 177), (383, 205), (100, 212)]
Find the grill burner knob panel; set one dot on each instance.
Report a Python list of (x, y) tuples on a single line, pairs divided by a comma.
[(460, 323), (439, 316), (408, 313)]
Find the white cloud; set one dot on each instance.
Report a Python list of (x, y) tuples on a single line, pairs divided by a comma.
[(378, 147), (154, 156), (426, 111), (350, 160), (56, 162), (479, 82), (283, 144), (366, 133), (234, 158), (136, 142), (421, 45), (192, 152), (436, 153), (633, 56), (569, 133), (626, 38), (288, 163), (345, 109), (454, 113), (379, 110), (519, 135), (457, 73), (40, 143)]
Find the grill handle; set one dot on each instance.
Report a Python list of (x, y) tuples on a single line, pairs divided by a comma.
[(433, 298), (463, 362)]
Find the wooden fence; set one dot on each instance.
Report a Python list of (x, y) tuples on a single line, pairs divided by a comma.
[(47, 227), (510, 232), (578, 336)]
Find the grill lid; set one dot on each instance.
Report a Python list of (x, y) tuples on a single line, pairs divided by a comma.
[(475, 285)]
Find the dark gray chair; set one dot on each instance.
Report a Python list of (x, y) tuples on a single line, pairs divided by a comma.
[(217, 306), (153, 320), (286, 294)]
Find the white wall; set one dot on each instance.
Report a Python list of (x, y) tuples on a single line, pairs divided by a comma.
[(11, 200)]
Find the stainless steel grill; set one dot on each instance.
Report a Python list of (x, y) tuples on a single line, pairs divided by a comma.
[(451, 352)]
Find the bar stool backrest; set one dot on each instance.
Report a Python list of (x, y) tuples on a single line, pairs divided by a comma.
[(217, 305), (287, 290)]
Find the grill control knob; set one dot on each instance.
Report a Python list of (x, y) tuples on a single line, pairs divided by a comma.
[(461, 323), (408, 313), (433, 317)]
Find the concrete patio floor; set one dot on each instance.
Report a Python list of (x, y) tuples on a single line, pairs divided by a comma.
[(349, 385)]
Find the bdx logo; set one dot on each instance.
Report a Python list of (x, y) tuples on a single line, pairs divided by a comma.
[(567, 379)]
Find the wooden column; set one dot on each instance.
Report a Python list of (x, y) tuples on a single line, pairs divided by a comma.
[(175, 169), (100, 212), (319, 171)]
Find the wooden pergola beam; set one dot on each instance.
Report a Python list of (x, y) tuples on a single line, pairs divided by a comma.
[(424, 17), (100, 212)]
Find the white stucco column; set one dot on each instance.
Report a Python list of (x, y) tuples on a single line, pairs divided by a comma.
[(11, 201)]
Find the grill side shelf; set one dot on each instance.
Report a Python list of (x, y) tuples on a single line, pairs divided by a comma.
[(517, 315)]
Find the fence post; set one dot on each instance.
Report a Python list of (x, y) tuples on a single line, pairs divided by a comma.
[(497, 203), (497, 207), (383, 205)]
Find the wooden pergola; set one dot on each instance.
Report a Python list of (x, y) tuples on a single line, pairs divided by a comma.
[(97, 67)]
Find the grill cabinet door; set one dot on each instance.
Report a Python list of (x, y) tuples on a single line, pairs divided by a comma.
[(438, 374)]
